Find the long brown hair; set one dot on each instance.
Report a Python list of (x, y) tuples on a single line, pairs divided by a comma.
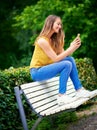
[(57, 39)]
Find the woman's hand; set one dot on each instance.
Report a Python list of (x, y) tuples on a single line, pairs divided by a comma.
[(76, 43)]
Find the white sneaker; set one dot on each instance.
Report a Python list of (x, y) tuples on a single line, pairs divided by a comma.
[(64, 99), (83, 93)]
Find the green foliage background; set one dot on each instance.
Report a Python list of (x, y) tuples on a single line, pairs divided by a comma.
[(21, 22), (77, 16)]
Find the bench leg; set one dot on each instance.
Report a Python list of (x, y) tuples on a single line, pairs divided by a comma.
[(21, 109), (36, 123)]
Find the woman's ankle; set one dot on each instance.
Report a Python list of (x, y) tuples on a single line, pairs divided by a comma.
[(60, 94)]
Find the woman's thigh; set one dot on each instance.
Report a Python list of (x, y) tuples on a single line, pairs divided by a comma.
[(49, 71)]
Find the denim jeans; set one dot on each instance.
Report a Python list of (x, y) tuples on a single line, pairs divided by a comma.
[(65, 68)]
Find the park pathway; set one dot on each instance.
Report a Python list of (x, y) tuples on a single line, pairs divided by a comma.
[(87, 121)]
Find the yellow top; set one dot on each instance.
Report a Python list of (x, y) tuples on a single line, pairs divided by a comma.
[(39, 57)]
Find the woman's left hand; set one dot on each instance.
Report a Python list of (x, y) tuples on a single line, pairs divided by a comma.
[(76, 41)]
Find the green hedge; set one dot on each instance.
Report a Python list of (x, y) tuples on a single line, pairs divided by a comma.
[(87, 73), (9, 78)]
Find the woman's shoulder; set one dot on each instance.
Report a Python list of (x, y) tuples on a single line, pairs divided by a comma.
[(41, 40)]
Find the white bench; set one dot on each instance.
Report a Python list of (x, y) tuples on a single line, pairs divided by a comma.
[(42, 98)]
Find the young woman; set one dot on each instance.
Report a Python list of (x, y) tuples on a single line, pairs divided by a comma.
[(50, 59)]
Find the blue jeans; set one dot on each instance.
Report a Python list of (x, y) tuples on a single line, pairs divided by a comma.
[(66, 68)]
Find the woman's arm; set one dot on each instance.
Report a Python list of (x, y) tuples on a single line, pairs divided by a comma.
[(44, 44)]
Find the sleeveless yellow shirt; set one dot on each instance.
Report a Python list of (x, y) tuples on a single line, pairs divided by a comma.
[(39, 57)]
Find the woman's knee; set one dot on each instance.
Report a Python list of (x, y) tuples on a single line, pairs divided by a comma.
[(71, 58), (68, 65)]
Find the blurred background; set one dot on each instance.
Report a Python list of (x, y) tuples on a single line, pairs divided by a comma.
[(21, 22)]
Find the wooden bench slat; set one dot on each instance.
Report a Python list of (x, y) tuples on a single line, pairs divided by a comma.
[(44, 86), (36, 106), (35, 84), (42, 97), (72, 94), (57, 108), (40, 87), (28, 91), (45, 101), (49, 110), (63, 107), (42, 83), (42, 92), (44, 107), (70, 89), (47, 95), (33, 98)]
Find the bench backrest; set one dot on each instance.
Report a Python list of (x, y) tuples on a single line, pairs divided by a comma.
[(43, 95)]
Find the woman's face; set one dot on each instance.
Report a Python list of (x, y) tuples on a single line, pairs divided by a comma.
[(57, 25)]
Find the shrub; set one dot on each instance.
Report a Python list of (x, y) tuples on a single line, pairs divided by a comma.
[(87, 73), (10, 78)]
